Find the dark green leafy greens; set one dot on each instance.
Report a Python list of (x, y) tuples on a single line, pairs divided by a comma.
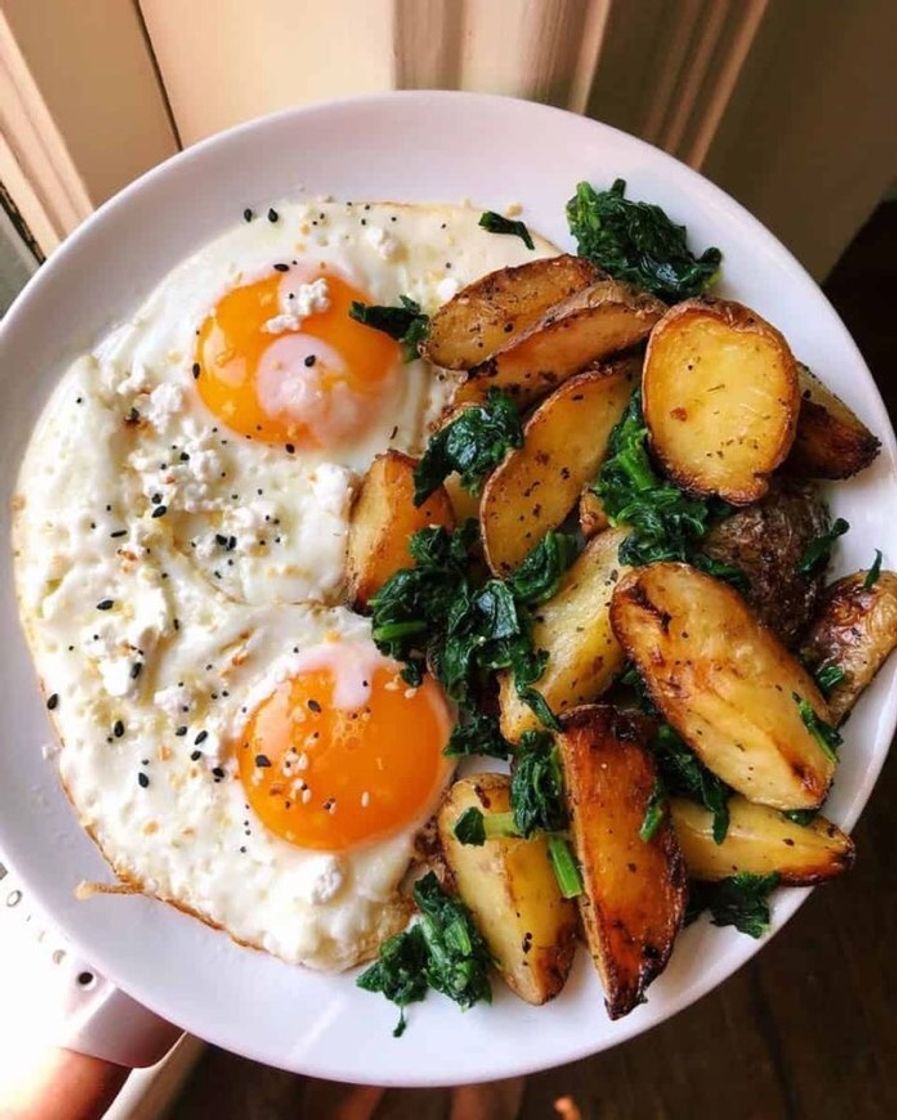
[(825, 735), (471, 444), (683, 774), (478, 733), (730, 573), (636, 241), (872, 576), (539, 576), (654, 812), (741, 901), (664, 522), (495, 223), (406, 323), (443, 951), (399, 972), (819, 551), (828, 676), (438, 614)]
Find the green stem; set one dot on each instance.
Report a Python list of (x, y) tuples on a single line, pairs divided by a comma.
[(564, 866)]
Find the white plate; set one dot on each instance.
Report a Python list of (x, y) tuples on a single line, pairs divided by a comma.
[(408, 146)]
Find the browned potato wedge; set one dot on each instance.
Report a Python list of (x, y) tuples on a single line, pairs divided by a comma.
[(766, 542), (724, 682), (574, 627), (831, 441), (634, 891), (564, 443), (487, 314), (510, 889), (592, 518), (856, 629), (720, 398), (383, 519), (463, 502), (588, 327), (760, 840)]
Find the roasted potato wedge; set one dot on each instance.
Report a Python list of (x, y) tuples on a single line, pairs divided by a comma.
[(855, 629), (760, 840), (574, 627), (592, 517), (487, 314), (725, 682), (511, 891), (589, 326), (831, 441), (634, 891), (766, 542), (720, 397), (464, 504), (564, 443), (383, 519)]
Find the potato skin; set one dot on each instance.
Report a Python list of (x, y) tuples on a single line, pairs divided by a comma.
[(607, 318), (725, 683), (856, 629), (383, 519), (574, 627), (564, 443), (487, 314), (633, 901), (760, 840), (720, 398), (766, 541), (510, 889), (831, 441), (592, 517)]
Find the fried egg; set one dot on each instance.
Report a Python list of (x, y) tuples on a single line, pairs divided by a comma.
[(229, 734)]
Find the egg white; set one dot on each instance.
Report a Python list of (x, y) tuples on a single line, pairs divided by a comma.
[(141, 625)]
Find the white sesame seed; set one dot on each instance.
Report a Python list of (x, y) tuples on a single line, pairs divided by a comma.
[(365, 799), (306, 796)]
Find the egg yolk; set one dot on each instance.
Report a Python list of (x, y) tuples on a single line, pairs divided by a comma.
[(330, 777), (314, 382)]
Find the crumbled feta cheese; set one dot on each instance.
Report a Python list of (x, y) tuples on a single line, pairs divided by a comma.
[(328, 880), (248, 524), (447, 289), (386, 245), (184, 483), (297, 304), (173, 700), (137, 380), (281, 323), (165, 401)]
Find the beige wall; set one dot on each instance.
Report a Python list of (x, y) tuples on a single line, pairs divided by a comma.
[(90, 61)]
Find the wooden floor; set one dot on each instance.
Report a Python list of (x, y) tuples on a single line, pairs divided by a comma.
[(807, 1029)]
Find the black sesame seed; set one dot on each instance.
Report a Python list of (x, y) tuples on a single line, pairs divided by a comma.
[(105, 604), (156, 499), (176, 623), (196, 755), (290, 449), (201, 737), (181, 731), (118, 729), (262, 761), (143, 779), (53, 701), (281, 267), (217, 772), (184, 457), (248, 215), (144, 762), (160, 511), (136, 669), (119, 533), (310, 360), (195, 370), (273, 215), (221, 539), (243, 850), (314, 705)]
